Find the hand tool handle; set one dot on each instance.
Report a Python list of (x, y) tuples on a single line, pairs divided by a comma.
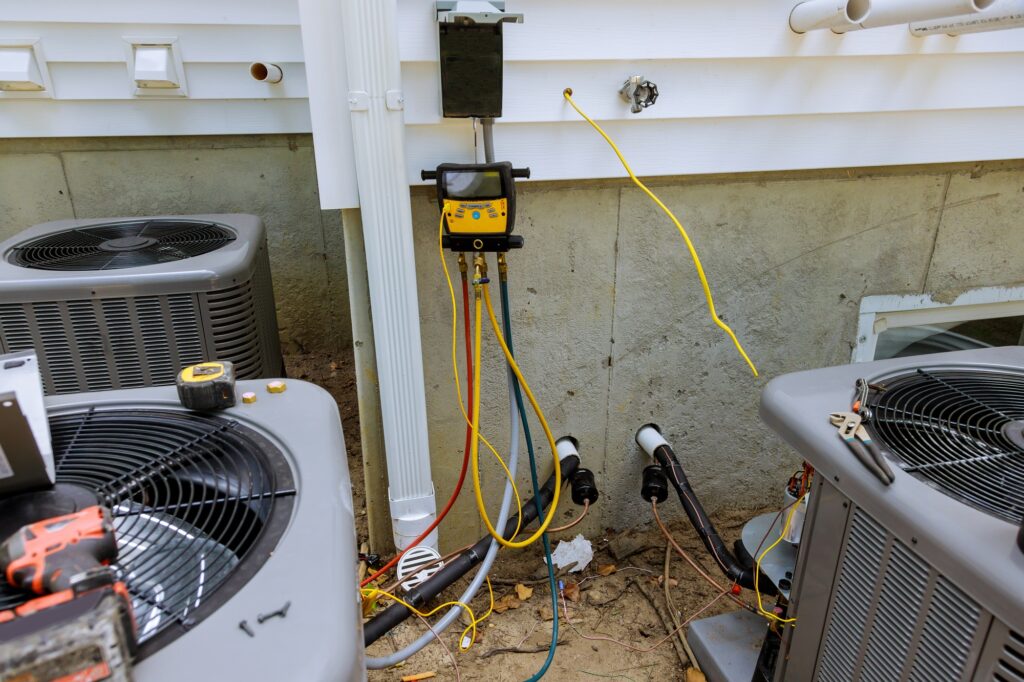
[(876, 455), (866, 459)]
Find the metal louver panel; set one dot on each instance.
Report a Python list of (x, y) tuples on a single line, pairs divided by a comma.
[(101, 344), (1010, 667), (233, 325), (948, 634), (894, 617), (903, 590), (858, 573), (267, 312), (242, 324)]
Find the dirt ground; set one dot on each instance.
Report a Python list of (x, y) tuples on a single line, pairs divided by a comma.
[(628, 604)]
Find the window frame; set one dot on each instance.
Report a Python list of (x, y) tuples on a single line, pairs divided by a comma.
[(890, 311)]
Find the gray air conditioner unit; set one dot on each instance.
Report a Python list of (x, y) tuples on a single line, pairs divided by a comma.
[(219, 517), (922, 579), (127, 302)]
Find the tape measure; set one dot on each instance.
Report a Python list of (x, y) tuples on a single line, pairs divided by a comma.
[(207, 386), (478, 201)]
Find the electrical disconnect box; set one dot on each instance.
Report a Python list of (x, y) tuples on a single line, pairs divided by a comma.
[(470, 38)]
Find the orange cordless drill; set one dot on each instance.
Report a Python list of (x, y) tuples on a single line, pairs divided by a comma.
[(81, 627), (45, 556)]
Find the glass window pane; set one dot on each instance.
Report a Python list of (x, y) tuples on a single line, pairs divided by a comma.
[(901, 342)]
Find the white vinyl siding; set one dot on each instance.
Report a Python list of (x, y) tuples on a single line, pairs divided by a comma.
[(739, 91)]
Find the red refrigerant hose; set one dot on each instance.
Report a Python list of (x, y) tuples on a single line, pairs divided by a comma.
[(465, 452)]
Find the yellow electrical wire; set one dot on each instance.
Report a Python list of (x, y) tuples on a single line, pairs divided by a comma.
[(475, 449), (473, 626), (757, 566), (373, 592), (567, 93), (455, 375)]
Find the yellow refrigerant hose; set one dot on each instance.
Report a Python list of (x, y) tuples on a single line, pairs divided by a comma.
[(455, 376), (567, 93), (475, 420)]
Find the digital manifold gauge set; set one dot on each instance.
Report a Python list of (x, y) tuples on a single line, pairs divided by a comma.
[(478, 202)]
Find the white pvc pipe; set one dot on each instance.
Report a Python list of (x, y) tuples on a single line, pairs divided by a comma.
[(895, 12), (266, 73), (814, 15), (566, 446), (649, 439), (1005, 15)]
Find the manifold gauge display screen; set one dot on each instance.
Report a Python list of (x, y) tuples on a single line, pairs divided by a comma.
[(472, 184)]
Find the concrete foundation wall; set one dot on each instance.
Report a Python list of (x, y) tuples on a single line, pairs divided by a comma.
[(273, 177), (612, 330), (611, 327)]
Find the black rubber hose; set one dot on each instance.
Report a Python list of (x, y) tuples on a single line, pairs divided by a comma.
[(390, 617), (733, 569)]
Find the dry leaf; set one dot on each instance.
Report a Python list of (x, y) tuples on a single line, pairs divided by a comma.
[(606, 569), (672, 582), (369, 606), (571, 592), (524, 592), (509, 601)]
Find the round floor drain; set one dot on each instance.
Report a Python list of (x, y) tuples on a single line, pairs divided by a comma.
[(417, 565)]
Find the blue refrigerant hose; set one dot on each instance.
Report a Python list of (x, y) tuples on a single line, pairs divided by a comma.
[(507, 323)]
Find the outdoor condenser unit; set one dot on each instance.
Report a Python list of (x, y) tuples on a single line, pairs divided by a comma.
[(219, 518), (922, 579), (127, 302)]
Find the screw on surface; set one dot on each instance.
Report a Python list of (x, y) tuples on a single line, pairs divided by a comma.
[(280, 613), (244, 625)]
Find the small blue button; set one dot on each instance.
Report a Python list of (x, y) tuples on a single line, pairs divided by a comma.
[(476, 215)]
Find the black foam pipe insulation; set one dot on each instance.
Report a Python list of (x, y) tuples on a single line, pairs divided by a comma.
[(731, 567), (390, 617)]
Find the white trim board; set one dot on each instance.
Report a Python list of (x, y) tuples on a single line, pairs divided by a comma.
[(878, 313)]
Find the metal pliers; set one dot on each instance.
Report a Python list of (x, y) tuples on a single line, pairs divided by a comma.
[(853, 433)]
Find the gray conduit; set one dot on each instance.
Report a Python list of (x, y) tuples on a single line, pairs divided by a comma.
[(485, 566)]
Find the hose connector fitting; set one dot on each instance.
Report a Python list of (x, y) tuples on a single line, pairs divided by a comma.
[(502, 268), (463, 265), (584, 487), (582, 483), (654, 484), (479, 273)]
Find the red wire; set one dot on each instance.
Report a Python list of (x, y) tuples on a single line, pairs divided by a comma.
[(465, 453)]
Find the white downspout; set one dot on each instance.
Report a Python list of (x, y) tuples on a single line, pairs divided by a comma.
[(370, 35), (1007, 14)]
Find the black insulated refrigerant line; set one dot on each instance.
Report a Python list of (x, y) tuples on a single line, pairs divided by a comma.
[(462, 564), (649, 438)]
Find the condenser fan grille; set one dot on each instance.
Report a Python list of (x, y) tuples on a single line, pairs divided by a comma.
[(962, 431), (198, 504), (121, 245)]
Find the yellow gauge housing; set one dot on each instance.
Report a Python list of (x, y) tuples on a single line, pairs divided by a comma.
[(478, 204), (476, 217)]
